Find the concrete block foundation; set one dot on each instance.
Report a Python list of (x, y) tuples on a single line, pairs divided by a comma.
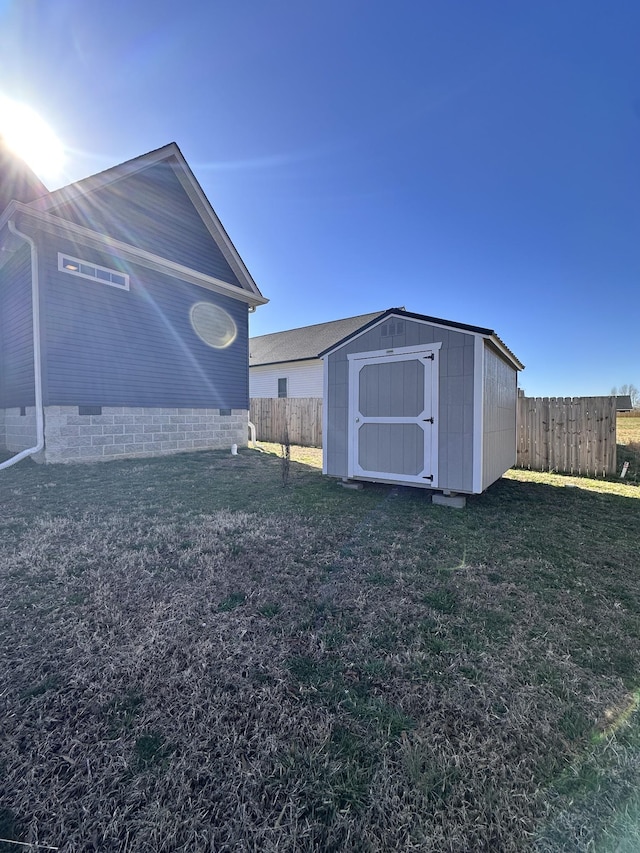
[(123, 432), (18, 428)]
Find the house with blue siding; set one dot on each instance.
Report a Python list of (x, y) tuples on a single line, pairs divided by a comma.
[(123, 316)]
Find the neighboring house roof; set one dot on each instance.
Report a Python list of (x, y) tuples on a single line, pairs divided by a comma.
[(488, 334), (623, 403), (17, 181), (306, 342), (49, 210)]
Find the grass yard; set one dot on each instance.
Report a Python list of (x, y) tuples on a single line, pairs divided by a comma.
[(195, 657), (628, 429)]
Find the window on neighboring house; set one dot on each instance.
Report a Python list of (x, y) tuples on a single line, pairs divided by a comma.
[(74, 266), (282, 387)]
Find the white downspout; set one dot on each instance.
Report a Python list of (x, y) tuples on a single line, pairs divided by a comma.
[(252, 431), (253, 441), (37, 359)]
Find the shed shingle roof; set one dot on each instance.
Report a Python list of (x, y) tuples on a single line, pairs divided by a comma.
[(310, 342)]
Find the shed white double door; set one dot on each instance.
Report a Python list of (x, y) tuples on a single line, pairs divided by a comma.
[(393, 407)]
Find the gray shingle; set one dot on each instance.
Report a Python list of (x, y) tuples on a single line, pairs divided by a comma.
[(306, 342)]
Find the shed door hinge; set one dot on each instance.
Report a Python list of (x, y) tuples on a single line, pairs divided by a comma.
[(431, 356), (427, 420), (430, 477)]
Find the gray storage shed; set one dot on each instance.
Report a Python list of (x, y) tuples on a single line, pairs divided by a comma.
[(415, 400)]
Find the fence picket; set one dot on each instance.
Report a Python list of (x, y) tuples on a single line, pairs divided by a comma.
[(302, 417), (574, 435)]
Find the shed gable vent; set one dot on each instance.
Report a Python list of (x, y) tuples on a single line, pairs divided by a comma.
[(393, 327)]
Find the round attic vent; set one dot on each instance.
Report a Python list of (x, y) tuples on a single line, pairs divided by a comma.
[(213, 325)]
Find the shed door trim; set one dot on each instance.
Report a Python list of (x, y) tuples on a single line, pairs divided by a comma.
[(366, 427)]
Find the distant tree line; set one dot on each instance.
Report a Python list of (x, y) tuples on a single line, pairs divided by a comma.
[(631, 390)]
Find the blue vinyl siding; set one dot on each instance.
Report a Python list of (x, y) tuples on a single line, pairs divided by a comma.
[(111, 347), (151, 210), (16, 332)]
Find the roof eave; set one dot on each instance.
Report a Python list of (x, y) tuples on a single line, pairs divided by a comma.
[(56, 225), (487, 334), (504, 351), (284, 361)]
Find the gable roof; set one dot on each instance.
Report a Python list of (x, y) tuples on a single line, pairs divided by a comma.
[(304, 343), (488, 334), (171, 156)]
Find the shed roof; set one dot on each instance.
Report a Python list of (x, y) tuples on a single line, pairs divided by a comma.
[(488, 334), (306, 342)]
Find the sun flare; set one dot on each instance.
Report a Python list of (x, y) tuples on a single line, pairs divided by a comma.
[(31, 138)]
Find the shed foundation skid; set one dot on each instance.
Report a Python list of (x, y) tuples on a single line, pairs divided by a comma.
[(455, 501)]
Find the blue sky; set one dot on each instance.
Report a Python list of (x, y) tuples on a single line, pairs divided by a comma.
[(476, 161)]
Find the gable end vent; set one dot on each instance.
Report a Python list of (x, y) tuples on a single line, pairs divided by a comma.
[(393, 327)]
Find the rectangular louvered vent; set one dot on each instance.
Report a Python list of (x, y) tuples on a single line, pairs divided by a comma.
[(393, 327)]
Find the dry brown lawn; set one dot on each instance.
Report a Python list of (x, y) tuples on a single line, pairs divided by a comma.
[(195, 657), (628, 428)]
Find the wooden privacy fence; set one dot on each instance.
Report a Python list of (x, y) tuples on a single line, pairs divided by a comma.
[(575, 435), (300, 416)]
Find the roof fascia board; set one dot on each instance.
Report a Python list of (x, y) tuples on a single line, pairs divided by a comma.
[(420, 318), (445, 324), (355, 334), (8, 213), (504, 351), (210, 218), (57, 226), (8, 241), (174, 157), (476, 331)]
